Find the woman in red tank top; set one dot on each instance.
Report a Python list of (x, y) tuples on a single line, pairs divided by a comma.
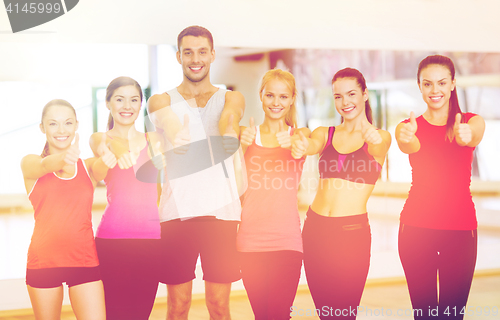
[(336, 232), (269, 238), (61, 187), (438, 227)]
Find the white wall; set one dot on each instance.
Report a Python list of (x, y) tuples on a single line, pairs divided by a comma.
[(245, 77), (444, 25)]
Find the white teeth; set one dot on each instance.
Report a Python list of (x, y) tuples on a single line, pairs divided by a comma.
[(276, 110), (348, 109), (125, 114), (435, 98), (195, 68), (61, 138)]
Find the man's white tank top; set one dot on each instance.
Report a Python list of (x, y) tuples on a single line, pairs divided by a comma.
[(206, 192)]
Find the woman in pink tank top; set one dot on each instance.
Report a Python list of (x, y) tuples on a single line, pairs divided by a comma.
[(269, 237), (336, 232), (129, 231), (60, 186)]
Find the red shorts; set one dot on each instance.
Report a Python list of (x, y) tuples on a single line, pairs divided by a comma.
[(212, 239), (54, 277)]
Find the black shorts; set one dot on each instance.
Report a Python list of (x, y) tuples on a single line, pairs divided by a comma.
[(54, 277), (212, 239)]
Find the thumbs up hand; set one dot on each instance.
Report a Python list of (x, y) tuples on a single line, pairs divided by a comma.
[(299, 146), (230, 140), (462, 131), (408, 131), (283, 137), (106, 155), (159, 160), (248, 135), (182, 138), (128, 159), (73, 152), (370, 133)]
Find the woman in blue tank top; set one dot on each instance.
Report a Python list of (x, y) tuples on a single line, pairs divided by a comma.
[(336, 234)]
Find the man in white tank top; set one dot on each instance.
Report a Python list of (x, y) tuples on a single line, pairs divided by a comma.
[(199, 205)]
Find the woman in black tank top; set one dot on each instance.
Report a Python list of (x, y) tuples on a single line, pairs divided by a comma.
[(336, 234)]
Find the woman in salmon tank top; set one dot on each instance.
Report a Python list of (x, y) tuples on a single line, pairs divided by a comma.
[(60, 187), (438, 226), (336, 233), (128, 235), (269, 238)]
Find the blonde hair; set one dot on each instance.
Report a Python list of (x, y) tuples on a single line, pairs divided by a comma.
[(289, 80)]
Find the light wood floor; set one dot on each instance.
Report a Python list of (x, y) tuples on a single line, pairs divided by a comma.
[(485, 292)]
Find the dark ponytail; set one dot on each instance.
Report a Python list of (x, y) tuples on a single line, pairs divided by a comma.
[(454, 107), (358, 76), (55, 102), (115, 84), (111, 122)]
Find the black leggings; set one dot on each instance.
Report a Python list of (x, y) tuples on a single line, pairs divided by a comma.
[(424, 254), (336, 262), (271, 280), (129, 276)]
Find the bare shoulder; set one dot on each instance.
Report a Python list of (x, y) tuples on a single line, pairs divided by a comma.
[(234, 104), (320, 131), (89, 162), (154, 136), (475, 119), (385, 134), (158, 101), (305, 131), (234, 95), (95, 138)]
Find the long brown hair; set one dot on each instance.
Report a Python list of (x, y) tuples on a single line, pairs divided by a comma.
[(454, 107), (51, 103), (358, 76), (115, 84), (289, 80)]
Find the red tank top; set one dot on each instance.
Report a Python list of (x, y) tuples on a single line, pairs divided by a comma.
[(270, 218), (440, 195), (63, 235)]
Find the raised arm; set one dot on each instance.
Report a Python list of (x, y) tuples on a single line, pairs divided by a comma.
[(104, 159), (471, 133), (306, 146), (162, 115), (235, 106), (378, 141), (405, 136), (34, 166)]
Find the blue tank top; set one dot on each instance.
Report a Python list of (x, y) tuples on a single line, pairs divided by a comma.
[(358, 166)]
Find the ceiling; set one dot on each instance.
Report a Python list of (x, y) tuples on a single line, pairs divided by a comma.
[(256, 25)]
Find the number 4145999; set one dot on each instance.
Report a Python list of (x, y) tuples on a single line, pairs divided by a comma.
[(34, 8)]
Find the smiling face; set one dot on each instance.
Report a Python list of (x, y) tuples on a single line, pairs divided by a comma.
[(436, 85), (349, 98), (195, 55), (59, 125), (125, 105), (277, 99)]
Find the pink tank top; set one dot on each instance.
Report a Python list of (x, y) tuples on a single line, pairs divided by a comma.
[(270, 218), (132, 211)]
